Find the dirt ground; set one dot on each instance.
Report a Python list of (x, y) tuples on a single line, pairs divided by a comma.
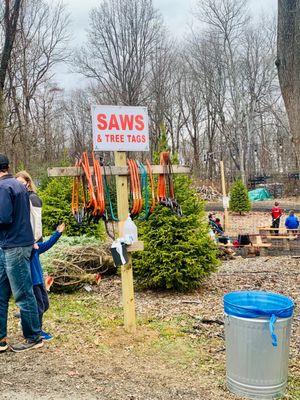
[(172, 356), (249, 223)]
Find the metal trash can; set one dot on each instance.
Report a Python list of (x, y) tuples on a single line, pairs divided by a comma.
[(257, 336)]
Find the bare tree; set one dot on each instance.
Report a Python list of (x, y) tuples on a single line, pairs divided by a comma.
[(161, 82), (40, 44), (204, 59), (123, 38), (11, 16), (78, 119), (288, 63), (192, 108), (227, 19)]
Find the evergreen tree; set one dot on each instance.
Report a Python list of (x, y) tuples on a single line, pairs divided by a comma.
[(57, 197), (178, 252), (239, 199)]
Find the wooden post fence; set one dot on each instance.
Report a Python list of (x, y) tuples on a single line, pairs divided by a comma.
[(225, 198)]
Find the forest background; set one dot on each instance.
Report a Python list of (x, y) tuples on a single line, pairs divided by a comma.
[(214, 90)]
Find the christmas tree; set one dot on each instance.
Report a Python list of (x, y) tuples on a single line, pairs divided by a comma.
[(239, 199), (178, 252)]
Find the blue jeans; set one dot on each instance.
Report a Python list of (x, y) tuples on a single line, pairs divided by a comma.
[(15, 278)]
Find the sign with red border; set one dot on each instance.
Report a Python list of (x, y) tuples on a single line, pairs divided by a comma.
[(120, 128)]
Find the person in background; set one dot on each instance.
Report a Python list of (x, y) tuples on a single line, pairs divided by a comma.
[(218, 223), (37, 275), (16, 241), (35, 209), (211, 218), (35, 205), (276, 213), (212, 235), (215, 224), (292, 222)]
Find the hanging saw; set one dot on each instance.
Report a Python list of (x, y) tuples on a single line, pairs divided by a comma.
[(152, 188), (77, 210), (91, 205), (92, 189), (135, 188), (144, 190), (165, 189), (113, 214), (99, 211)]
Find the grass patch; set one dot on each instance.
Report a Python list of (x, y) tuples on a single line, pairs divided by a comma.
[(77, 318)]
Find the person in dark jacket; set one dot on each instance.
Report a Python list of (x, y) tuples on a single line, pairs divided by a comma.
[(16, 241), (292, 221), (37, 275), (218, 223)]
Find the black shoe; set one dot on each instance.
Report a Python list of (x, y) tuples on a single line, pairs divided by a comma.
[(3, 346), (27, 345)]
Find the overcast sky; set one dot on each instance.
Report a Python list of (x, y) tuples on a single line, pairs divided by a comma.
[(176, 13)]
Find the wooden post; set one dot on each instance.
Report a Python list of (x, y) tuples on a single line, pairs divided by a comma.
[(226, 215), (126, 270)]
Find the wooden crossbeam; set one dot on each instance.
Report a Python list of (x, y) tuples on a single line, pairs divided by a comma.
[(113, 170), (280, 229)]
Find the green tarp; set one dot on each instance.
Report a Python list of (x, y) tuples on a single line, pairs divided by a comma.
[(260, 194)]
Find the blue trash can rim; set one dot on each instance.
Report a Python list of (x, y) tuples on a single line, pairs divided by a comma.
[(253, 304)]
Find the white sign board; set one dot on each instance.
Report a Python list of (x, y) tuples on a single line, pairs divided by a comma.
[(120, 128)]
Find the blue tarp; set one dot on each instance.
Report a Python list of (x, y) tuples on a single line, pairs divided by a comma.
[(260, 194)]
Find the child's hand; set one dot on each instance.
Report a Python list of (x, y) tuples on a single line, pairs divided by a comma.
[(61, 227), (35, 246)]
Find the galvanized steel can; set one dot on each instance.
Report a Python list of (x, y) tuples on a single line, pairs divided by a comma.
[(255, 368)]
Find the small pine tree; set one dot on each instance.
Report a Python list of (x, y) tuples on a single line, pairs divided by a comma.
[(57, 197), (178, 253), (239, 199)]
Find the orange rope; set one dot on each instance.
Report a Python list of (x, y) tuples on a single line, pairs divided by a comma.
[(92, 203), (100, 200), (95, 204), (132, 187), (138, 187), (162, 184)]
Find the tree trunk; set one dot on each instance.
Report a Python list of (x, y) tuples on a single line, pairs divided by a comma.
[(242, 159), (11, 16), (288, 62)]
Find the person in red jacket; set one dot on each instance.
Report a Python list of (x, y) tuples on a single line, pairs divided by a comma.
[(276, 213)]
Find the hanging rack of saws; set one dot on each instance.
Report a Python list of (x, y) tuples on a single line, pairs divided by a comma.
[(91, 195), (119, 129)]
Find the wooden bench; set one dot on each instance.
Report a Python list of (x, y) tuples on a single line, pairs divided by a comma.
[(280, 231), (281, 237), (257, 241)]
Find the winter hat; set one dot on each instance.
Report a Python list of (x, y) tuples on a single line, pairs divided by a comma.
[(4, 161)]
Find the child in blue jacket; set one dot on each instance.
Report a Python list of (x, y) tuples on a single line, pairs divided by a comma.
[(292, 221), (37, 276)]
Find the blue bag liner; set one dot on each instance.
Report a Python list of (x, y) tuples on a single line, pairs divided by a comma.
[(255, 304)]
